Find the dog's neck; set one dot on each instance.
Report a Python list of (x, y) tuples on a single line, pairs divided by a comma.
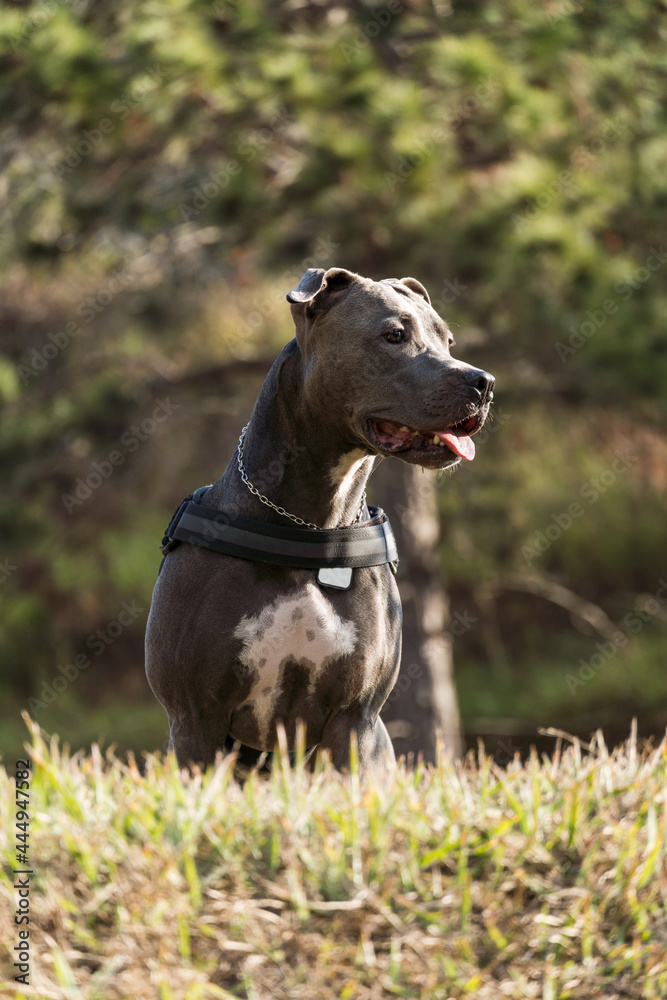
[(299, 460)]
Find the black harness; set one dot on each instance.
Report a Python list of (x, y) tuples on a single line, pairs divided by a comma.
[(370, 543), (333, 552)]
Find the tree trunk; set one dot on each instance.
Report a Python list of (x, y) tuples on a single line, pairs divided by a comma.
[(423, 701)]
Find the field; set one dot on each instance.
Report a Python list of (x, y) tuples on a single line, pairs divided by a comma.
[(544, 880)]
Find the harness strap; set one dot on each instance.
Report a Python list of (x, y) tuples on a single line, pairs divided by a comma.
[(371, 543)]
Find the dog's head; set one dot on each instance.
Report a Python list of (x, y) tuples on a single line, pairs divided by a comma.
[(378, 355)]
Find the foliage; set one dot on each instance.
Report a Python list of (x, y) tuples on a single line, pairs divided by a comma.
[(171, 168), (510, 146)]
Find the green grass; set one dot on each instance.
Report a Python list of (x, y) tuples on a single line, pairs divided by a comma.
[(543, 881)]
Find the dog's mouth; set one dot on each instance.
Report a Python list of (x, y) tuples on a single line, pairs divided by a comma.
[(392, 439)]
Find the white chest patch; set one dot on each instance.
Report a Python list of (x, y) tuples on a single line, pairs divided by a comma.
[(304, 628)]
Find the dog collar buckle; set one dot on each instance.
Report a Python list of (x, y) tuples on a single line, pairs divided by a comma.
[(336, 577)]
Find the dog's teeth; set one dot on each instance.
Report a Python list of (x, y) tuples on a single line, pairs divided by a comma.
[(436, 439), (404, 428)]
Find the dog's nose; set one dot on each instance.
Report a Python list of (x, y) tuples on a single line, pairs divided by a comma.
[(481, 381)]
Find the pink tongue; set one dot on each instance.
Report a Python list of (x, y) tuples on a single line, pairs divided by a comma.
[(460, 444)]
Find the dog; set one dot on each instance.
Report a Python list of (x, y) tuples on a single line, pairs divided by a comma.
[(239, 644)]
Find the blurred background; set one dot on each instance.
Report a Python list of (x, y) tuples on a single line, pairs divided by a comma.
[(169, 170)]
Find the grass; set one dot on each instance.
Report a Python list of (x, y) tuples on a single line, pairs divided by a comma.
[(125, 724), (462, 880)]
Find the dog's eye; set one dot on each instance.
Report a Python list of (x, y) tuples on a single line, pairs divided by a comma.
[(395, 336)]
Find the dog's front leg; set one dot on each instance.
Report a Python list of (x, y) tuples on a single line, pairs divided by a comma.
[(374, 747), (193, 742)]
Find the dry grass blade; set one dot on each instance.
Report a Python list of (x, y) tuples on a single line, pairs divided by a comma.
[(461, 880)]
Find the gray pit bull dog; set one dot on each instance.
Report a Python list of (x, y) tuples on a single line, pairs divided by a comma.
[(235, 646)]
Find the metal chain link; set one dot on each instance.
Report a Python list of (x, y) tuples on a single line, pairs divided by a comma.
[(269, 503)]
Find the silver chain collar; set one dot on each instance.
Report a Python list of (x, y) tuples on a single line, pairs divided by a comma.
[(269, 503)]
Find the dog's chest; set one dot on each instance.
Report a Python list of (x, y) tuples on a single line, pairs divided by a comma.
[(303, 628)]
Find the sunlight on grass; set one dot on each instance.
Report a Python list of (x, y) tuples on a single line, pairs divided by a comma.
[(459, 880)]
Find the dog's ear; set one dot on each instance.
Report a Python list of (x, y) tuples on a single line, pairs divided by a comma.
[(318, 290), (416, 286), (411, 283), (308, 287)]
